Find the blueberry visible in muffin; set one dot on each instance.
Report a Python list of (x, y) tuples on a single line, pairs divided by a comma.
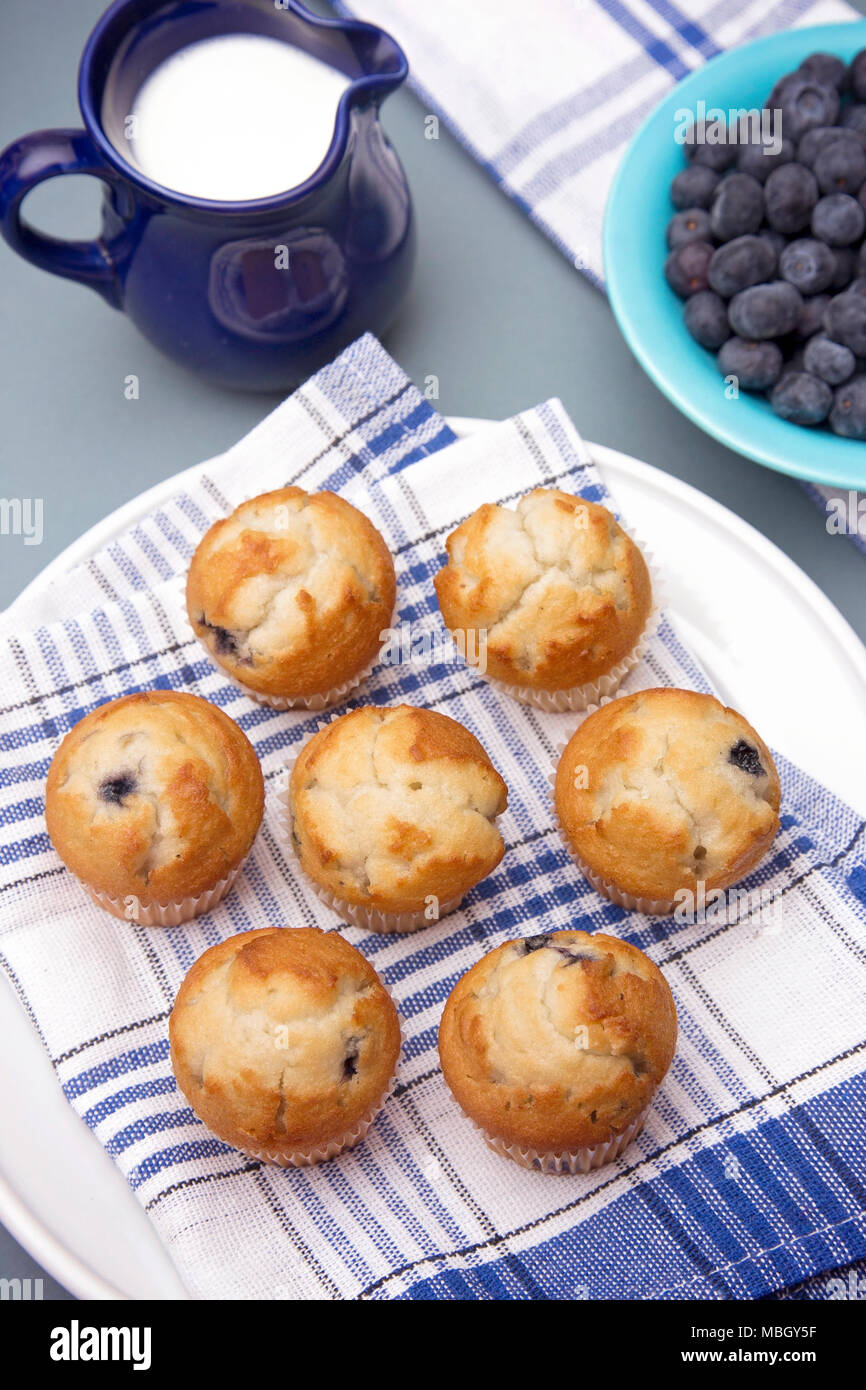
[(284, 1041), (155, 798), (558, 1048), (116, 789), (745, 756), (291, 594), (675, 790)]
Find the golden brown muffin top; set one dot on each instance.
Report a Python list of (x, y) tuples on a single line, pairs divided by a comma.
[(562, 593), (157, 795), (392, 805), (291, 593), (663, 789), (558, 1042), (283, 1039)]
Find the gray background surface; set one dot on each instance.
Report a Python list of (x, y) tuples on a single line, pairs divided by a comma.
[(495, 312)]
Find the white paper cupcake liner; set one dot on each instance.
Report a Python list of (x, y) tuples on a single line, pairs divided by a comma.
[(367, 918), (569, 1161), (320, 1153), (159, 914), (373, 919), (312, 703), (651, 907), (579, 697), (582, 697)]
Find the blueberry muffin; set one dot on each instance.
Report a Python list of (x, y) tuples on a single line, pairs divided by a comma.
[(550, 599), (663, 790), (291, 596), (393, 815), (153, 802), (555, 1046), (285, 1042)]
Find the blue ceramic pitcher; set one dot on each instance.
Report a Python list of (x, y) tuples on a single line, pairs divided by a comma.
[(255, 294)]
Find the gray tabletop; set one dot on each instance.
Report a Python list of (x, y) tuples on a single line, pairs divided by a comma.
[(495, 312)]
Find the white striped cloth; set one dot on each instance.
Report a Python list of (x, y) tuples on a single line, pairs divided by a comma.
[(547, 96), (750, 1173)]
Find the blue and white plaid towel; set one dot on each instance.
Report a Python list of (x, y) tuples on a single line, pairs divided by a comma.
[(547, 95), (750, 1174)]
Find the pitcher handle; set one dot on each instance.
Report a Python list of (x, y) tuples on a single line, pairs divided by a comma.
[(46, 154)]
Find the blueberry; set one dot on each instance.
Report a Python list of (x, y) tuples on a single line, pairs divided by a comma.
[(812, 318), (830, 361), (745, 261), (840, 167), (693, 187), (719, 158), (827, 69), (691, 225), (848, 416), (845, 264), (737, 207), (845, 321), (756, 365), (790, 194), (686, 268), (116, 789), (814, 141), (861, 260), (857, 75), (534, 943), (719, 155), (854, 118), (801, 398), (766, 311), (759, 159), (225, 641), (858, 286), (706, 318), (803, 103), (350, 1060), (838, 219), (807, 264), (744, 756)]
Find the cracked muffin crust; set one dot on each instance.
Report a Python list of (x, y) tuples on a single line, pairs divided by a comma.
[(659, 791), (562, 593), (284, 1041), (154, 799), (555, 1045), (393, 807), (290, 595)]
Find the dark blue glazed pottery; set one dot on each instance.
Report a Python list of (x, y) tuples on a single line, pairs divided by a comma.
[(199, 278)]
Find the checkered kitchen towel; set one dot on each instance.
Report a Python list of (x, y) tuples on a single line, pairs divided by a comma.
[(750, 1174), (547, 95)]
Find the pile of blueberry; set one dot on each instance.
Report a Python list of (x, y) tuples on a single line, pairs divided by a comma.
[(767, 246)]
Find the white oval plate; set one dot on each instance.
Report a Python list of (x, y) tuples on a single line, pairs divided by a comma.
[(772, 644)]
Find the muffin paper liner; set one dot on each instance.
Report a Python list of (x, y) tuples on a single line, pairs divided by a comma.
[(652, 907), (368, 918), (372, 919), (312, 703), (165, 914), (320, 1153), (582, 697), (569, 1161)]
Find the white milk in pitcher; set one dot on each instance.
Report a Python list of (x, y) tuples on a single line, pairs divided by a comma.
[(235, 117)]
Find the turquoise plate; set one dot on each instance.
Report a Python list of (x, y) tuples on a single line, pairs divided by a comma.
[(647, 310)]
